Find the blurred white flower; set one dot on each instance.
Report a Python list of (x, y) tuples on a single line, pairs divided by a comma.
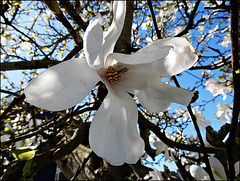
[(201, 29), (224, 112), (26, 46), (181, 113), (149, 40), (201, 121), (32, 143), (153, 175), (148, 22), (226, 40), (134, 26), (206, 73), (83, 15), (161, 147), (213, 31), (218, 88)]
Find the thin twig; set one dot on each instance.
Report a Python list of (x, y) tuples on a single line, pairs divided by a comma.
[(60, 17), (13, 103), (82, 166)]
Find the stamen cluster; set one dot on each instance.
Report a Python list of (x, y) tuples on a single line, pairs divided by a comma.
[(114, 73)]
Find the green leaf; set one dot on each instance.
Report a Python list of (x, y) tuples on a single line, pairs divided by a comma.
[(131, 177), (224, 130), (166, 174), (6, 131), (178, 140), (237, 71), (237, 139), (16, 2), (28, 166), (213, 138), (24, 153)]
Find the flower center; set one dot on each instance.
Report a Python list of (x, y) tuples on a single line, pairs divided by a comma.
[(114, 73)]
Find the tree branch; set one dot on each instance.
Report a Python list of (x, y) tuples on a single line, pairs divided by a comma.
[(23, 65), (142, 121), (14, 172), (236, 80), (72, 12), (53, 5), (191, 17)]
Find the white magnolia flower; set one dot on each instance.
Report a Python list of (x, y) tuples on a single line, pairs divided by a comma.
[(206, 73), (181, 113), (218, 88), (224, 112), (217, 169), (113, 132), (201, 121), (161, 147)]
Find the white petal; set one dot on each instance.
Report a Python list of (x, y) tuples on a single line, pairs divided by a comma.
[(113, 132), (153, 175), (61, 86), (237, 168), (149, 87), (114, 31), (199, 173), (92, 42), (152, 104), (152, 52), (218, 167), (181, 57)]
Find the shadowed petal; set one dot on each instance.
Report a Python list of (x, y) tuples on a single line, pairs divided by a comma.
[(152, 104), (181, 57), (151, 91), (237, 168), (61, 86), (92, 42), (199, 173), (218, 169), (113, 132)]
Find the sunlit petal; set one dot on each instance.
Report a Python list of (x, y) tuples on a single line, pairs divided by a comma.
[(113, 133), (114, 31), (199, 173), (61, 86), (152, 91), (148, 54), (218, 169), (181, 57), (92, 42)]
